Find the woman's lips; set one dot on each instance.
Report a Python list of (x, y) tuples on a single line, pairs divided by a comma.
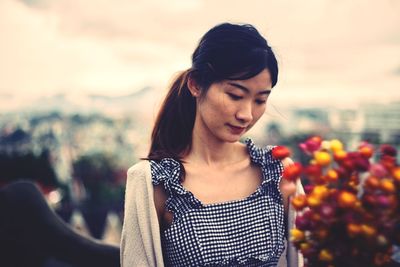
[(236, 129)]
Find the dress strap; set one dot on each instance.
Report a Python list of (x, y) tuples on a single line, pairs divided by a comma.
[(271, 168), (168, 172)]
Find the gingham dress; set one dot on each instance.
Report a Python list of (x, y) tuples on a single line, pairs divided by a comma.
[(245, 232)]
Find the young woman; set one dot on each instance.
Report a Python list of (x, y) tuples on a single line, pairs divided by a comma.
[(203, 198)]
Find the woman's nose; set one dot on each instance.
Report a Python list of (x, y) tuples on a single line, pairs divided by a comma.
[(244, 113)]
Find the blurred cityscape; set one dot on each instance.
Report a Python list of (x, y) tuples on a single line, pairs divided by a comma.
[(78, 150)]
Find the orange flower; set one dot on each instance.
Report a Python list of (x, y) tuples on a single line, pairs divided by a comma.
[(396, 173), (299, 202), (387, 185), (296, 235), (325, 255), (353, 229), (322, 158), (346, 199)]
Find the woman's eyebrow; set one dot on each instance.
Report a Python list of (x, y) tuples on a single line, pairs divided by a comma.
[(246, 90)]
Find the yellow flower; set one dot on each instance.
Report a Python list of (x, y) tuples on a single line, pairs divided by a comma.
[(336, 145), (296, 235), (322, 158), (325, 255)]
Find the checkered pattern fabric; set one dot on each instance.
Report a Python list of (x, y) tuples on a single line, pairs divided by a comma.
[(245, 232)]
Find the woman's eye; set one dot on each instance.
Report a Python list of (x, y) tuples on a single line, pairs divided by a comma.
[(234, 97), (261, 101)]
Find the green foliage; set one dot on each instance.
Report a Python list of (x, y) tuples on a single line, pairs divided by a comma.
[(17, 166), (102, 178)]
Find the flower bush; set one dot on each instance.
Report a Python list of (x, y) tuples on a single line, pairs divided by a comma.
[(350, 214)]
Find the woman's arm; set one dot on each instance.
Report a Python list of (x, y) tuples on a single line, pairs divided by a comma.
[(291, 257), (287, 188), (140, 239), (164, 216)]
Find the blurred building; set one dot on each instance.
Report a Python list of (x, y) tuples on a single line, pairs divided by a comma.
[(376, 123)]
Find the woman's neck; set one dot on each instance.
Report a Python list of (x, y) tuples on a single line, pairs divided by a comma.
[(213, 152)]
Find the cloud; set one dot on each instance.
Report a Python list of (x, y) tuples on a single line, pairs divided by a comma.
[(325, 47), (45, 52)]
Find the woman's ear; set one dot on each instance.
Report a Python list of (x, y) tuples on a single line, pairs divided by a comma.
[(193, 87)]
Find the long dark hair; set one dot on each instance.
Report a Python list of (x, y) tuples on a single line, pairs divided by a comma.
[(225, 52)]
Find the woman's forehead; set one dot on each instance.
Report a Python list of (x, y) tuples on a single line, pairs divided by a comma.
[(260, 82)]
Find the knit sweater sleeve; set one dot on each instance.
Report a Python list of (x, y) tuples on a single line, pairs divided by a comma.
[(140, 239)]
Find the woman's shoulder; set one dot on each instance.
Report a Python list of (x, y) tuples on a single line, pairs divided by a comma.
[(139, 171), (252, 146), (259, 154), (139, 166), (166, 169)]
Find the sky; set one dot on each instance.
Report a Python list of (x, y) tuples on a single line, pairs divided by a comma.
[(334, 52)]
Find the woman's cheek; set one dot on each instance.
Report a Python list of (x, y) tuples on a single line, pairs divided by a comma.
[(258, 114)]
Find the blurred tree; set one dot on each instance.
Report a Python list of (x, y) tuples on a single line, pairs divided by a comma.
[(28, 166), (15, 138), (104, 183)]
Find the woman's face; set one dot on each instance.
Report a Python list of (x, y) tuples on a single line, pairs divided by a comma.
[(231, 107)]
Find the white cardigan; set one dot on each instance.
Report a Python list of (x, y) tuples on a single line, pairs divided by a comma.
[(141, 241)]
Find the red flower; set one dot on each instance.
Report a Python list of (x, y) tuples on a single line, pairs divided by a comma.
[(292, 172), (388, 150), (312, 144), (280, 152)]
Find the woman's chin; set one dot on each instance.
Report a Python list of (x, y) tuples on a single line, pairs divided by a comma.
[(232, 138)]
